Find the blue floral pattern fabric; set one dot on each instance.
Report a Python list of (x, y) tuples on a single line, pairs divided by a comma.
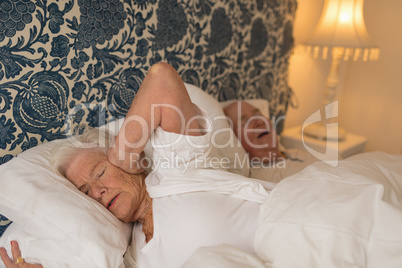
[(69, 64), (4, 223)]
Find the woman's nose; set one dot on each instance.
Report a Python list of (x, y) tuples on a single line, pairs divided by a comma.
[(97, 190)]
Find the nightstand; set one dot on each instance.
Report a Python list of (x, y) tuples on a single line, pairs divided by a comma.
[(352, 144)]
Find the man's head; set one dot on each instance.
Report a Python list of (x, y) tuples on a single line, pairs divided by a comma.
[(255, 132)]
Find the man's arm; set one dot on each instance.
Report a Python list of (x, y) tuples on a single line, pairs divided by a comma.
[(162, 100)]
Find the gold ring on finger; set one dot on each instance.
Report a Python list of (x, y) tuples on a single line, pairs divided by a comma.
[(19, 260)]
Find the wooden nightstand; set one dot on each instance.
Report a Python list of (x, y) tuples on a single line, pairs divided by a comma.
[(352, 144)]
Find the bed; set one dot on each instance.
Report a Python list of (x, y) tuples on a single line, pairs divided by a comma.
[(69, 65)]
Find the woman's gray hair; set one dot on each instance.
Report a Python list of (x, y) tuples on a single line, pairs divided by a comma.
[(92, 139)]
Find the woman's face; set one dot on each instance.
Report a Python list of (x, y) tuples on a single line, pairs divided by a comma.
[(121, 193)]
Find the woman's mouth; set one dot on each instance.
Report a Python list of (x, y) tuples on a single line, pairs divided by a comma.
[(112, 201)]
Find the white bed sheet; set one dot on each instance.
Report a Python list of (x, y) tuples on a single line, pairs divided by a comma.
[(295, 162), (345, 216)]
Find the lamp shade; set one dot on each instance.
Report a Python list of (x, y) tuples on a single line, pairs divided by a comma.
[(342, 25)]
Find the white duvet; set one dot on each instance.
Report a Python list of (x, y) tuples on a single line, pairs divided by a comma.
[(323, 216)]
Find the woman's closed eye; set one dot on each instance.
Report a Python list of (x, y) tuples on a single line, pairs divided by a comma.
[(102, 171), (100, 174), (99, 170), (84, 189)]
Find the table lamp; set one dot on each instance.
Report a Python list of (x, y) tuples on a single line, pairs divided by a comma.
[(340, 32)]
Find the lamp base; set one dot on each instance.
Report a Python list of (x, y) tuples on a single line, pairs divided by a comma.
[(325, 132)]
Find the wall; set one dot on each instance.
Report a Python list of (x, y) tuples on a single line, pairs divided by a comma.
[(370, 92)]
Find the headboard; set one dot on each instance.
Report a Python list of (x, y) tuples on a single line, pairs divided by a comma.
[(66, 65)]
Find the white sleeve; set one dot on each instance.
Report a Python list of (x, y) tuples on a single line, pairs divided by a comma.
[(172, 151)]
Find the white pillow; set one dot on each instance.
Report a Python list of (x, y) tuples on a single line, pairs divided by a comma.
[(54, 223)]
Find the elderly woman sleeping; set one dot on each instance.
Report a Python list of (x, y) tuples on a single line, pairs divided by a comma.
[(182, 204)]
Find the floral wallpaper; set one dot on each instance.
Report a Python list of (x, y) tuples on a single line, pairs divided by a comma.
[(69, 64)]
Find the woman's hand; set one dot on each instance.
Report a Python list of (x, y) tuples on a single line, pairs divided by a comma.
[(17, 260)]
